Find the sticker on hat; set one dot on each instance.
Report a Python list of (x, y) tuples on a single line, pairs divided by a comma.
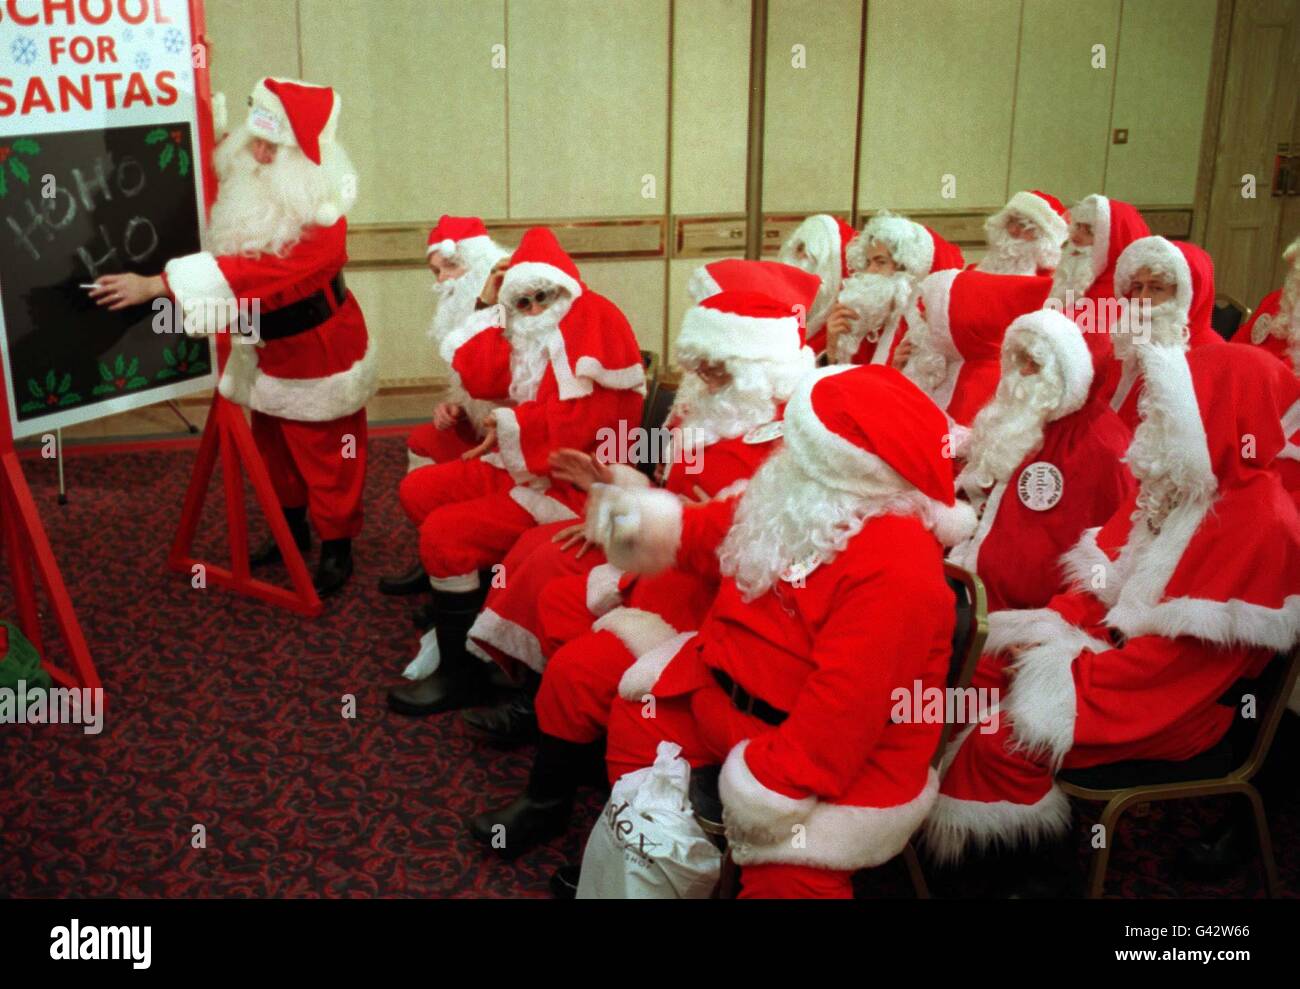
[(1040, 486), (765, 433), (264, 121)]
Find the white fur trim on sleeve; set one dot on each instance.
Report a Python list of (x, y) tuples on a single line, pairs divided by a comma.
[(1040, 704), (480, 320), (640, 529), (509, 443), (755, 814), (602, 588), (1087, 568), (208, 303), (630, 378), (627, 476), (640, 678)]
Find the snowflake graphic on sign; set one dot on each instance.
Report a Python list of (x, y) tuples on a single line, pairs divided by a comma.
[(142, 60), (23, 51), (174, 41)]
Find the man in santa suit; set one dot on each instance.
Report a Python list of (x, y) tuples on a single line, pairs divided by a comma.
[(564, 366), (277, 236), (743, 353), (1025, 236), (832, 599), (956, 354), (1190, 586), (1166, 291), (1043, 464), (1083, 284), (819, 245), (461, 256), (1275, 327), (889, 259)]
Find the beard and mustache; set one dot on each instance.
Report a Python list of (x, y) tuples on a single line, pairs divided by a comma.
[(1162, 325), (1073, 276), (877, 299), (1011, 426), (828, 270), (530, 339), (1009, 256), (1165, 479), (456, 301), (748, 400), (263, 209)]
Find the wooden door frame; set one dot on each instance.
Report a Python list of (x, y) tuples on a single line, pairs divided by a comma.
[(1205, 171)]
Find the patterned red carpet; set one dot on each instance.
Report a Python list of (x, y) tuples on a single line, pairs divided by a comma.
[(225, 721)]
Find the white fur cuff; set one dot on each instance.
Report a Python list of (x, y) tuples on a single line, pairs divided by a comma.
[(755, 814), (207, 301), (640, 678), (1041, 704)]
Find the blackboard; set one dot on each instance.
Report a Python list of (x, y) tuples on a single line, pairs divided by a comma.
[(95, 202)]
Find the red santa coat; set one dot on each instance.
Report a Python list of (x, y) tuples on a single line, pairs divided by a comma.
[(1132, 663), (325, 373), (876, 619), (1016, 549), (594, 382), (510, 627), (1288, 462)]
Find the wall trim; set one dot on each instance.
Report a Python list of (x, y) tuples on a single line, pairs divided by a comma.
[(1225, 12)]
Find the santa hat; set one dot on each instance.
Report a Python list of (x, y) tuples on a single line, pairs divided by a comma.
[(757, 314), (451, 231), (851, 426), (1170, 260), (539, 259), (1062, 335), (1043, 210), (968, 311), (825, 236), (915, 248), (285, 111)]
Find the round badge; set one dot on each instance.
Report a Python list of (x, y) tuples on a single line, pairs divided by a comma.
[(798, 571), (765, 433), (1040, 486)]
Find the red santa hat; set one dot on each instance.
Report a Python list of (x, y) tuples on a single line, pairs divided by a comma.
[(757, 313), (915, 248), (540, 260), (1115, 225), (445, 238), (854, 427), (1225, 566), (1062, 336), (1187, 266), (298, 114), (1043, 210)]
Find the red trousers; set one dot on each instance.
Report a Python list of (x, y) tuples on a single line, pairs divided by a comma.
[(317, 465), (580, 685), (467, 519), (427, 444), (707, 726)]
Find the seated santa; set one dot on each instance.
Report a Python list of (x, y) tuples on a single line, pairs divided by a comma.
[(889, 260), (819, 245), (1025, 236)]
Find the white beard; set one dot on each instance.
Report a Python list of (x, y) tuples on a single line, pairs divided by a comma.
[(1166, 325), (456, 301), (1073, 276), (748, 400), (265, 208), (784, 517), (876, 299), (828, 270), (1010, 427), (1285, 325), (530, 338), (1009, 256), (928, 366), (1165, 479)]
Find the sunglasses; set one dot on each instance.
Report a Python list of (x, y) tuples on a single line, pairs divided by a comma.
[(539, 298)]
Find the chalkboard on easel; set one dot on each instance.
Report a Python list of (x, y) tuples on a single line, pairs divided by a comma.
[(115, 200)]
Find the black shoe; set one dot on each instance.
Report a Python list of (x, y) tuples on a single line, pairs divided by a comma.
[(508, 724), (413, 581), (269, 551), (449, 606), (461, 680), (522, 824), (335, 566), (564, 882)]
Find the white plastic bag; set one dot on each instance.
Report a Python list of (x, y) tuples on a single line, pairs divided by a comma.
[(647, 843)]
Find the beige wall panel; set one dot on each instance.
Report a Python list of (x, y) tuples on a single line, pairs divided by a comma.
[(398, 305), (679, 276), (420, 149), (938, 95), (241, 54), (588, 106), (811, 110), (1062, 113), (710, 105), (1160, 90), (636, 287)]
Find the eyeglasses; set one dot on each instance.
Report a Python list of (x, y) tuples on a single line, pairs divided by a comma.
[(539, 298)]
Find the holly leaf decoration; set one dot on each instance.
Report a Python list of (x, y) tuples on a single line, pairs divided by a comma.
[(156, 135), (166, 373), (132, 368), (33, 406), (50, 380), (35, 388), (26, 146), (168, 357), (104, 372), (4, 186), (119, 365), (20, 171), (137, 382), (183, 162), (104, 389), (65, 384), (165, 158), (71, 398)]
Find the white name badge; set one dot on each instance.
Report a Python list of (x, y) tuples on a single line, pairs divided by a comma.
[(1040, 486), (765, 433), (796, 572), (261, 121)]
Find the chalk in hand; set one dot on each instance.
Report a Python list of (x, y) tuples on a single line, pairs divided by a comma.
[(88, 285)]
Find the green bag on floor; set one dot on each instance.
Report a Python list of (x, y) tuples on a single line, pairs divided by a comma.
[(22, 662)]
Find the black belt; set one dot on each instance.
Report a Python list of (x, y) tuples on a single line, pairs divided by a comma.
[(305, 314), (747, 702)]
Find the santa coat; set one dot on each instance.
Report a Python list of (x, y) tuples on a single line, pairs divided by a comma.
[(594, 381), (510, 627), (838, 772), (322, 374), (1288, 462), (1074, 481), (1132, 663)]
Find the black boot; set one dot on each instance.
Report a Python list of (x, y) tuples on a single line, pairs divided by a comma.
[(442, 607), (511, 722), (461, 680), (269, 552), (543, 810), (414, 581), (335, 566)]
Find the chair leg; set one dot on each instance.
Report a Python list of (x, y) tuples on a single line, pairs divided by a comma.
[(729, 879), (1269, 863), (1110, 816), (914, 870)]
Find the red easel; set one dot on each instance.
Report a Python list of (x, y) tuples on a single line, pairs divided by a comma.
[(227, 432)]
